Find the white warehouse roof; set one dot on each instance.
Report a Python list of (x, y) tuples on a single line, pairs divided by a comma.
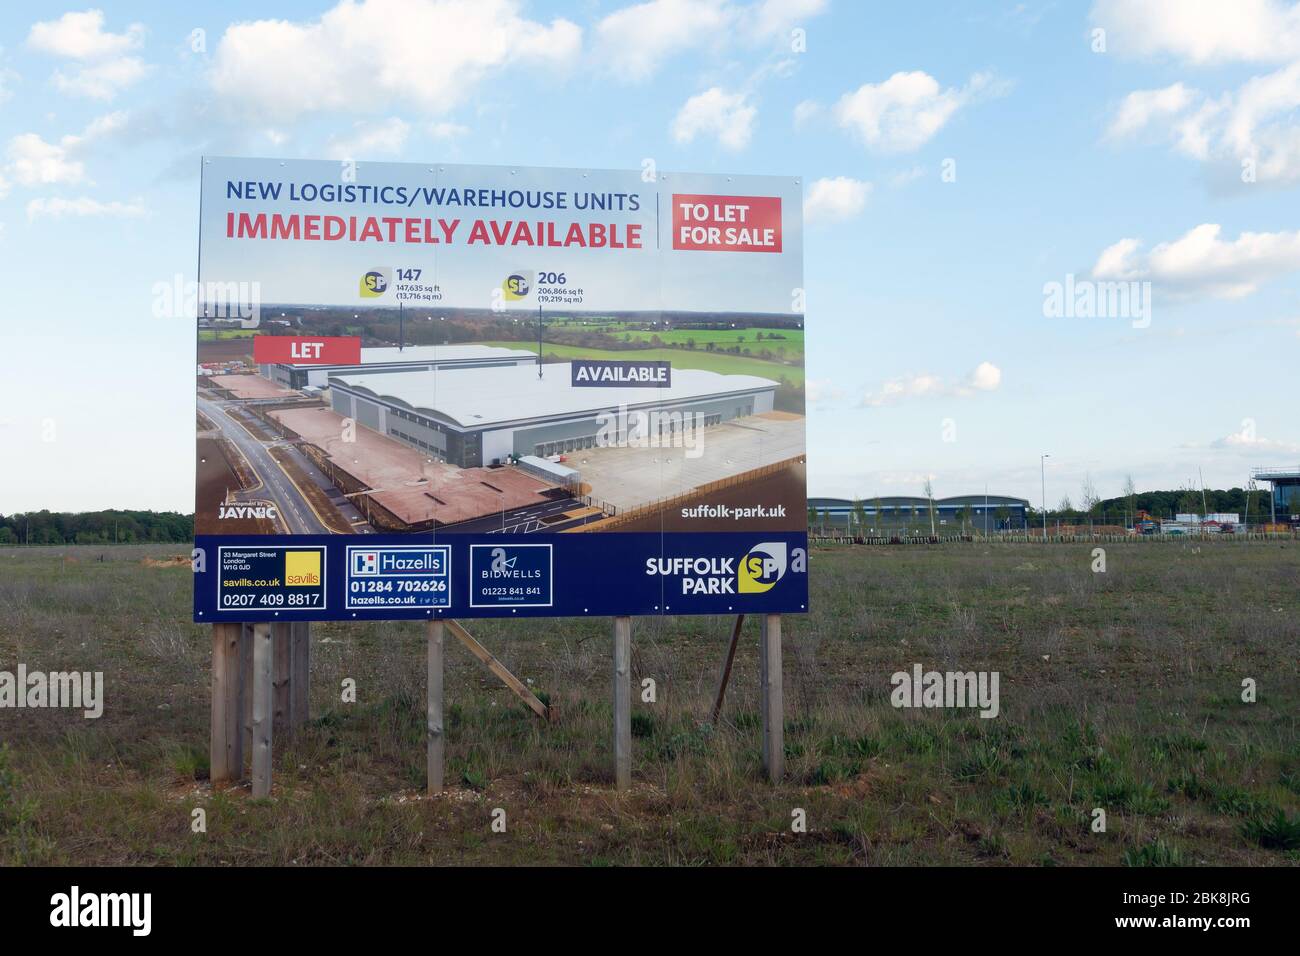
[(480, 397)]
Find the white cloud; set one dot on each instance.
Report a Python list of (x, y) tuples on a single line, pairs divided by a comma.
[(774, 19), (1201, 263), (806, 111), (1201, 31), (1143, 107), (81, 36), (361, 57), (905, 111), (34, 162), (101, 81), (636, 40), (1253, 124), (104, 66), (31, 161), (986, 377), (729, 117), (832, 200), (383, 138), (57, 208)]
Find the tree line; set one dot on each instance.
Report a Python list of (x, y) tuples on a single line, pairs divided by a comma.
[(96, 527)]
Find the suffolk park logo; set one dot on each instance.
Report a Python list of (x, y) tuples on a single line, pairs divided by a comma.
[(375, 283), (302, 569), (756, 572), (762, 567), (517, 285)]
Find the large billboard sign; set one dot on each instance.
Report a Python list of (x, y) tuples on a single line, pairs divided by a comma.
[(478, 391)]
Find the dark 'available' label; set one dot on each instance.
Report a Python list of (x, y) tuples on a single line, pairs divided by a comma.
[(592, 373)]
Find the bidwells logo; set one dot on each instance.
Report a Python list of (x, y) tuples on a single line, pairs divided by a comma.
[(762, 567), (517, 285), (375, 283)]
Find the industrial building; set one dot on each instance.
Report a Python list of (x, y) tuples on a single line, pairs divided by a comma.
[(480, 416), (412, 358), (1284, 500), (972, 512)]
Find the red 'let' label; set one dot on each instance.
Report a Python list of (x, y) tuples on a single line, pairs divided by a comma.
[(301, 350), (727, 223)]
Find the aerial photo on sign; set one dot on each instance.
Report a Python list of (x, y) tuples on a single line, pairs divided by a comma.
[(397, 349)]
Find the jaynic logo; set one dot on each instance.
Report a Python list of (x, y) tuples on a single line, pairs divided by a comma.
[(375, 283), (756, 572)]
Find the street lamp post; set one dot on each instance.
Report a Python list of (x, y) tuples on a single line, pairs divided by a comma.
[(1042, 465)]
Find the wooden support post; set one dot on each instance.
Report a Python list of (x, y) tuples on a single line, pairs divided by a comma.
[(437, 741), (226, 751), (300, 675), (282, 645), (246, 693), (771, 704), (517, 686), (622, 702), (263, 705), (726, 670)]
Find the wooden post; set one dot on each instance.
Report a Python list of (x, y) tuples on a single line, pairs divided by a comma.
[(282, 645), (437, 741), (517, 687), (263, 706), (246, 693), (622, 702), (300, 675), (726, 670), (771, 704), (226, 751)]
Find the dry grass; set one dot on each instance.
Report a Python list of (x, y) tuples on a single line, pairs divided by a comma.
[(1118, 690)]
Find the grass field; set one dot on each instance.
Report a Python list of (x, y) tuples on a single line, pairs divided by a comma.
[(1119, 690), (681, 358), (220, 335)]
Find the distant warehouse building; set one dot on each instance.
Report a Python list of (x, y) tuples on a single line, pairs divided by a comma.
[(973, 512), (481, 416), (412, 358)]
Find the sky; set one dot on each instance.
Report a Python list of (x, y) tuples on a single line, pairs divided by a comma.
[(975, 174)]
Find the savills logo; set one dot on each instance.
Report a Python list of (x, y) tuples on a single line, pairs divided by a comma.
[(302, 568), (375, 283)]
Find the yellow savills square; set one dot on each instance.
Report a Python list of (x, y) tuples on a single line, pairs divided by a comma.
[(302, 568)]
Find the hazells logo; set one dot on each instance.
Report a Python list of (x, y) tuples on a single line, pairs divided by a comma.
[(517, 285), (302, 568), (375, 283), (762, 567)]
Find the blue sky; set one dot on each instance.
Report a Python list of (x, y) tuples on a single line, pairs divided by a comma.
[(956, 158)]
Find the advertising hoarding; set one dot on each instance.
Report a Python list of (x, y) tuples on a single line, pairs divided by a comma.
[(479, 391)]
